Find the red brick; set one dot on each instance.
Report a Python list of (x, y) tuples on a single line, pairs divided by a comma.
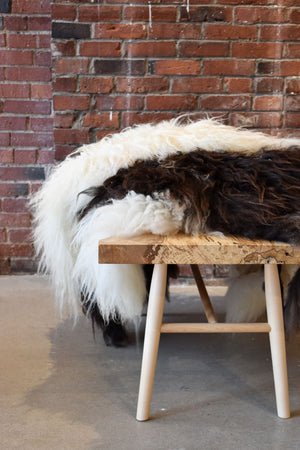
[(122, 102), (171, 102), (13, 90), (133, 118), (234, 85), (64, 102), (13, 189), (14, 205), (13, 57), (257, 49), (100, 134), (3, 236), (63, 136), (22, 40), (15, 23), (96, 85), (292, 103), (95, 13), (45, 156), (64, 120), (120, 31), (292, 50), (19, 265), (4, 139), (28, 74), (34, 187), (134, 1), (210, 49), (31, 7), (175, 31), (15, 220), (228, 67), (222, 270), (206, 13), (64, 84), (6, 156), (27, 106), (101, 120), (294, 15), (41, 123), (62, 151), (41, 91), (259, 14), (185, 271), (230, 102), (16, 250), (71, 65), (42, 58), (39, 23), (268, 103), (151, 48), (248, 2), (289, 68), (292, 120), (65, 48), (19, 235), (280, 33), (12, 123), (25, 156), (5, 266), (256, 119), (293, 86), (158, 13), (64, 12), (31, 139), (197, 85), (2, 40), (103, 48), (21, 173), (142, 85), (44, 40), (175, 67), (231, 32), (269, 84)]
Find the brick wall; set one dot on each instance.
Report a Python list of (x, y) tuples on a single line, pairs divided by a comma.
[(120, 62), (26, 123)]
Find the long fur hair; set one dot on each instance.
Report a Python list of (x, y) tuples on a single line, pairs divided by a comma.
[(196, 177)]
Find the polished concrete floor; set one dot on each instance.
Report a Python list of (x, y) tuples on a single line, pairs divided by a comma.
[(60, 389)]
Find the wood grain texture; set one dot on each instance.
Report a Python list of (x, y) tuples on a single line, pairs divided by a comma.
[(185, 249)]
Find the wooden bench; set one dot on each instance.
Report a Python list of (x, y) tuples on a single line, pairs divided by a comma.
[(206, 249)]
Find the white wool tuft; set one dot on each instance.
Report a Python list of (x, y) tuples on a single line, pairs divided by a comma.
[(245, 299), (113, 285), (64, 245)]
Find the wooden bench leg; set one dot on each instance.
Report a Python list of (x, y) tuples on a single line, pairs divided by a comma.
[(151, 341), (277, 339), (208, 308)]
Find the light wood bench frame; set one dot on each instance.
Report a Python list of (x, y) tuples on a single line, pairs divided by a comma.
[(206, 249)]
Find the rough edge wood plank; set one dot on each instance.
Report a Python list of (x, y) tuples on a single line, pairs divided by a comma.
[(185, 249)]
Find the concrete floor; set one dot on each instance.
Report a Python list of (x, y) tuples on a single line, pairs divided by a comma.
[(60, 389)]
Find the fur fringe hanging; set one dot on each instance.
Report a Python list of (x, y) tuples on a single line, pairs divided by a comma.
[(197, 177)]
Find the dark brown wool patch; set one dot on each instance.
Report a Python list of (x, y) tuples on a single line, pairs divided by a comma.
[(254, 196)]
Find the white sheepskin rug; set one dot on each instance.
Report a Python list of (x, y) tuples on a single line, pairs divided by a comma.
[(67, 246)]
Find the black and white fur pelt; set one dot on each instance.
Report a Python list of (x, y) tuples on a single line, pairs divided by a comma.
[(195, 177)]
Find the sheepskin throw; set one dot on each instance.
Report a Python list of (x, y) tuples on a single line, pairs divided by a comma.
[(195, 177)]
